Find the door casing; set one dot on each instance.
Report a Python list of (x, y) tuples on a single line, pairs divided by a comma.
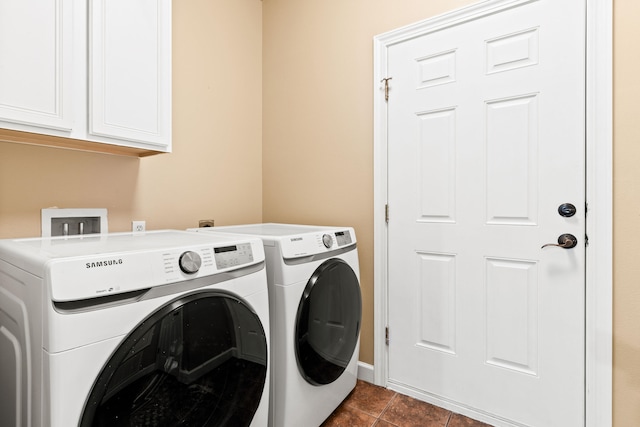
[(599, 193)]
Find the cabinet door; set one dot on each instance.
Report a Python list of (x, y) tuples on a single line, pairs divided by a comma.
[(36, 63), (130, 70)]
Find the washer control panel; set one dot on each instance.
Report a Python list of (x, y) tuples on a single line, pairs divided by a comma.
[(190, 262), (99, 275), (232, 256)]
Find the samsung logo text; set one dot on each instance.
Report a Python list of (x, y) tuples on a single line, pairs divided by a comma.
[(105, 263)]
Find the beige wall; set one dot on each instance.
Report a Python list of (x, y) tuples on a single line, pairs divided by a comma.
[(626, 182), (299, 124), (318, 116), (215, 170)]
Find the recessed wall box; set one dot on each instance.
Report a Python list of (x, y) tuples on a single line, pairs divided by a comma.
[(73, 222)]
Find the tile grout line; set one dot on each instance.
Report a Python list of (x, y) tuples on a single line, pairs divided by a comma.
[(395, 395), (448, 419), (390, 402)]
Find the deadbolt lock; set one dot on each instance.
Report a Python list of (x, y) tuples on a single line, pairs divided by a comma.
[(567, 210)]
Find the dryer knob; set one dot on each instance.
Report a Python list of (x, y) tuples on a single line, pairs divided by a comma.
[(327, 240), (190, 262)]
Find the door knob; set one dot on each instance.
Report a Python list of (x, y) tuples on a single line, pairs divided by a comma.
[(566, 241)]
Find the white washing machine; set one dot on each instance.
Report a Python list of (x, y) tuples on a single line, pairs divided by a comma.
[(160, 328), (316, 310)]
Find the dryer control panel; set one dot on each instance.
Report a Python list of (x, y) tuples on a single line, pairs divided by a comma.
[(296, 246)]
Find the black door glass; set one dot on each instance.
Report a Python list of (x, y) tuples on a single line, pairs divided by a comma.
[(201, 360), (328, 322)]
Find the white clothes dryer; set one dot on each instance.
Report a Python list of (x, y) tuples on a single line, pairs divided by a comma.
[(159, 328), (316, 310)]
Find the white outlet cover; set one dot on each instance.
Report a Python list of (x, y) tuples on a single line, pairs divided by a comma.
[(49, 214), (138, 226)]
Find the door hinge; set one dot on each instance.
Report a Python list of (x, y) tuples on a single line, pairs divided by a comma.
[(386, 87), (586, 240), (386, 335), (386, 213)]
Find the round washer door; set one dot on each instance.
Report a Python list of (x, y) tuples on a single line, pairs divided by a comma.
[(200, 360), (328, 322)]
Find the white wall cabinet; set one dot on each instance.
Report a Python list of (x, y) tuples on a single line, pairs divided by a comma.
[(36, 62), (95, 71)]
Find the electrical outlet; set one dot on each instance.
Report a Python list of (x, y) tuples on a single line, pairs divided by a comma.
[(205, 223), (138, 226)]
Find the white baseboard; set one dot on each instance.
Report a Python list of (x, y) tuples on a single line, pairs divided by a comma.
[(365, 372)]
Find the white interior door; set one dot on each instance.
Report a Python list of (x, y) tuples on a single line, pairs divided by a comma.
[(485, 143)]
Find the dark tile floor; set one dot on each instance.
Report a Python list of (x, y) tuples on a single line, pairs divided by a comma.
[(369, 405)]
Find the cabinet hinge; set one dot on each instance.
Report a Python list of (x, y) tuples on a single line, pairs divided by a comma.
[(386, 335), (386, 213), (586, 240)]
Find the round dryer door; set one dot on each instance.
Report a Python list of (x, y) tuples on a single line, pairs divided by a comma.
[(328, 322), (201, 360)]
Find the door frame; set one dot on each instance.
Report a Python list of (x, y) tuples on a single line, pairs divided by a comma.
[(599, 193)]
